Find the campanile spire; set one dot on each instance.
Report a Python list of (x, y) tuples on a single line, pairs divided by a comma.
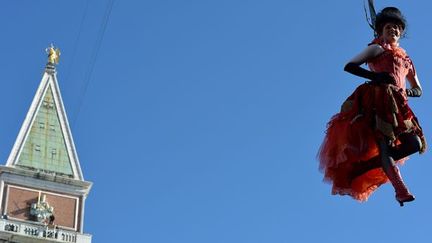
[(42, 188)]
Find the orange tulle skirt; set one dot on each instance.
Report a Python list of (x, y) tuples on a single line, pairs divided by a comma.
[(371, 113)]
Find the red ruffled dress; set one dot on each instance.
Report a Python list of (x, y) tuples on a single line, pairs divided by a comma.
[(372, 112)]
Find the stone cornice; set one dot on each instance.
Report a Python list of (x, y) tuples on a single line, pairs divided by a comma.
[(42, 180)]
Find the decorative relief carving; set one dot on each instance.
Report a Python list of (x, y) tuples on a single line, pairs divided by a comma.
[(42, 211)]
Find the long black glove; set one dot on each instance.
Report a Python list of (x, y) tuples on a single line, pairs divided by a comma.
[(414, 92), (376, 78)]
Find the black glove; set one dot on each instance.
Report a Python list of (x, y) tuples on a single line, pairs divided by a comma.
[(382, 78), (376, 78), (414, 92)]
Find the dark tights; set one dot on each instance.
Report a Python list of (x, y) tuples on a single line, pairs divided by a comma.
[(410, 143)]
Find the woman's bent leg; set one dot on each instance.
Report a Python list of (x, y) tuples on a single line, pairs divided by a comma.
[(410, 144), (392, 172)]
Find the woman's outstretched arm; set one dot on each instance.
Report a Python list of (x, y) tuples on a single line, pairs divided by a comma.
[(354, 65)]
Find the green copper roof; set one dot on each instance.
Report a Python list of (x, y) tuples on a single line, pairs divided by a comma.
[(45, 147)]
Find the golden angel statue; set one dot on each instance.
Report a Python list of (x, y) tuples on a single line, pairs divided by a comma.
[(53, 54)]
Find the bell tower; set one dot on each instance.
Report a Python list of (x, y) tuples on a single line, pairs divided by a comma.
[(42, 188)]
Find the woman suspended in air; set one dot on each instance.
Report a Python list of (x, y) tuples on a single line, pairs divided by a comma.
[(376, 129)]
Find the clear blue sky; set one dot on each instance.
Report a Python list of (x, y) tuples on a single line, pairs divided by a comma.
[(203, 118)]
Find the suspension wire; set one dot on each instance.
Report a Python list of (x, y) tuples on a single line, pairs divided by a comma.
[(371, 19), (75, 47), (95, 53)]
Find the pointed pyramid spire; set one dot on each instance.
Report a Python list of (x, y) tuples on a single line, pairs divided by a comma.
[(45, 140)]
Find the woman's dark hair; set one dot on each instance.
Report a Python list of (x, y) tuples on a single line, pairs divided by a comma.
[(389, 15)]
